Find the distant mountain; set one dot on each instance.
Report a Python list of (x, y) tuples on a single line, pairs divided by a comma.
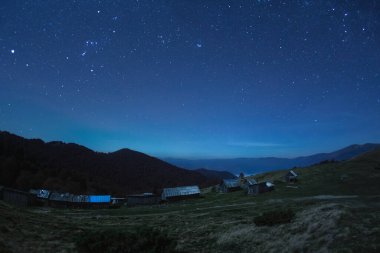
[(214, 174), (26, 164), (256, 165)]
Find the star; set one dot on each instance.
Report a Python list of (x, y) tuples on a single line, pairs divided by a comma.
[(12, 51)]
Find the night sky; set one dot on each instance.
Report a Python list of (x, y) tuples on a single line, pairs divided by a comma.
[(192, 79)]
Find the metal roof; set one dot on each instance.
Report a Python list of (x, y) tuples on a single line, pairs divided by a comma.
[(99, 198), (41, 193), (61, 196), (80, 198), (251, 181), (180, 191), (231, 183)]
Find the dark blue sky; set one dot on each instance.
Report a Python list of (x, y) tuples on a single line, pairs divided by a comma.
[(192, 78)]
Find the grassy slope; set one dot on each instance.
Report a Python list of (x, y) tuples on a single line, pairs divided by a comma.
[(224, 222)]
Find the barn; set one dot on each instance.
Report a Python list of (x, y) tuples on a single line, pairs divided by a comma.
[(16, 197), (230, 185), (291, 177), (179, 193), (143, 199), (258, 188)]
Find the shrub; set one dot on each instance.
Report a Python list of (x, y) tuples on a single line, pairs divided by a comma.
[(145, 240), (276, 217)]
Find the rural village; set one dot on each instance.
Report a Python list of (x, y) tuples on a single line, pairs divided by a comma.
[(46, 197)]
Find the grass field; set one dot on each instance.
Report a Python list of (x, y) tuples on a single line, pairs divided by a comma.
[(336, 208)]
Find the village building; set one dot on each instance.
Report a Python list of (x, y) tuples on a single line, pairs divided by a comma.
[(247, 182), (79, 201), (230, 185), (16, 197), (179, 193), (259, 188), (291, 177), (41, 196), (99, 201), (143, 199)]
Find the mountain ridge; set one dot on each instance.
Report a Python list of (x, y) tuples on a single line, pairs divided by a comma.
[(263, 164), (33, 163)]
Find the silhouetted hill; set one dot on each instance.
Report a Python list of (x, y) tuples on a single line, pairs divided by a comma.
[(26, 164), (256, 165)]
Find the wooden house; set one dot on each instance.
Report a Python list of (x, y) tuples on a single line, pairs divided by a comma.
[(291, 177), (16, 197), (259, 188), (230, 185), (179, 193), (247, 182)]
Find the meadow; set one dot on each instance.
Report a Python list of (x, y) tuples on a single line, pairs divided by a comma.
[(335, 207)]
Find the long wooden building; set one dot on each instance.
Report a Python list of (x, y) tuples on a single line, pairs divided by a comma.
[(16, 197), (179, 193)]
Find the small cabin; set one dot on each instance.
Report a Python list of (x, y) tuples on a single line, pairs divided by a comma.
[(16, 197), (291, 177), (179, 193), (259, 188), (230, 185), (143, 199), (247, 182)]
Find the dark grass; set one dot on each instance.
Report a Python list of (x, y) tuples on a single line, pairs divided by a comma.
[(142, 239), (274, 217)]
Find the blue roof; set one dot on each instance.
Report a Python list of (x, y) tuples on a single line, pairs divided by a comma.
[(99, 198)]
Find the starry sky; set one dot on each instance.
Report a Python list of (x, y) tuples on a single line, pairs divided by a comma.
[(192, 79)]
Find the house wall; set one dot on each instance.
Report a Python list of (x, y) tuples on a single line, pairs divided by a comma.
[(15, 197)]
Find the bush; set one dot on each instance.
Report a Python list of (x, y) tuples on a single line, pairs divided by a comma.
[(144, 240), (274, 217)]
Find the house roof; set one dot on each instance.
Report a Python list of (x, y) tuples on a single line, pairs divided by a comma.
[(60, 196), (80, 198), (231, 183), (293, 173), (180, 191), (40, 193), (99, 198), (251, 181)]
